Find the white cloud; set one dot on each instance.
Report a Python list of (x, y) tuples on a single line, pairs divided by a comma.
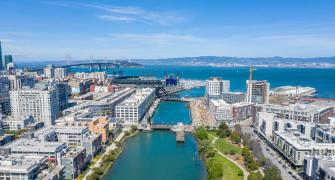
[(128, 13)]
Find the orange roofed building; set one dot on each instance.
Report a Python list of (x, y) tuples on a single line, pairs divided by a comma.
[(100, 126)]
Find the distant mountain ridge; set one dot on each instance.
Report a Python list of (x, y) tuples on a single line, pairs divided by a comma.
[(276, 61), (216, 61)]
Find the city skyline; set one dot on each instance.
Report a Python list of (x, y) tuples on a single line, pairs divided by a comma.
[(50, 30)]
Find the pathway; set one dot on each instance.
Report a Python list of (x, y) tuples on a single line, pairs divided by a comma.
[(108, 149), (245, 172)]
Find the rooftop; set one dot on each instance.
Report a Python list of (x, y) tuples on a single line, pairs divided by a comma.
[(20, 164)]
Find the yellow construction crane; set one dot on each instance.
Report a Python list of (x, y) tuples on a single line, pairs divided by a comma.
[(250, 75)]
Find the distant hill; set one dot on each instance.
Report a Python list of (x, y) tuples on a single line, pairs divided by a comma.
[(216, 61), (236, 61)]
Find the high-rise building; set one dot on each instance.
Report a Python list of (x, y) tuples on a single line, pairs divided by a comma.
[(61, 73), (258, 91), (63, 91), (41, 104), (18, 81), (4, 95), (215, 87), (49, 71), (1, 65), (7, 59)]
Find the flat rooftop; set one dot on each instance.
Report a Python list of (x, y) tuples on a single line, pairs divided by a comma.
[(20, 164), (137, 98)]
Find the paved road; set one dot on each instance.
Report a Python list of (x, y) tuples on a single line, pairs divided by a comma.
[(269, 154)]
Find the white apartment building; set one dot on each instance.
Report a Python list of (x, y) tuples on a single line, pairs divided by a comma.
[(295, 146), (267, 123), (41, 104), (215, 86), (258, 91), (133, 109), (301, 112), (17, 123), (220, 110), (61, 73), (21, 167), (49, 71)]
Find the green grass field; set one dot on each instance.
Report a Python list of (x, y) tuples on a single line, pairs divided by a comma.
[(230, 170), (226, 146)]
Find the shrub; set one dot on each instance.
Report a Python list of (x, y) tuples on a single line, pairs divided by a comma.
[(201, 133), (255, 176), (215, 170)]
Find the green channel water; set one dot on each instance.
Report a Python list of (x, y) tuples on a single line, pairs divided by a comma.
[(156, 155)]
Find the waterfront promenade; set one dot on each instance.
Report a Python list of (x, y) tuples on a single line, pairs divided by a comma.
[(109, 148)]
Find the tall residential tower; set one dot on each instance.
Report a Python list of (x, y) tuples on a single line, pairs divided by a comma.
[(1, 63)]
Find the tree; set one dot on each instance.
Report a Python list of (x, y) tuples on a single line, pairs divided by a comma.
[(201, 133), (235, 137), (255, 176), (215, 170), (238, 129), (133, 128), (223, 126), (272, 173)]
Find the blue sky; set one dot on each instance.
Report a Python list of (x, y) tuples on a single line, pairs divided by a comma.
[(49, 30)]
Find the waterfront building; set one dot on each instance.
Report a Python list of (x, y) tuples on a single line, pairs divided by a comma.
[(215, 87), (102, 105), (21, 167), (1, 62), (17, 123), (222, 111), (301, 112), (267, 123), (319, 167), (100, 126), (61, 73), (18, 81), (258, 91), (74, 162), (4, 95), (233, 97), (49, 71), (7, 59), (295, 146), (293, 91), (133, 109), (41, 104), (92, 144)]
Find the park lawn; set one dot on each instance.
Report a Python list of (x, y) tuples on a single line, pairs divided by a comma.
[(225, 146), (230, 170)]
